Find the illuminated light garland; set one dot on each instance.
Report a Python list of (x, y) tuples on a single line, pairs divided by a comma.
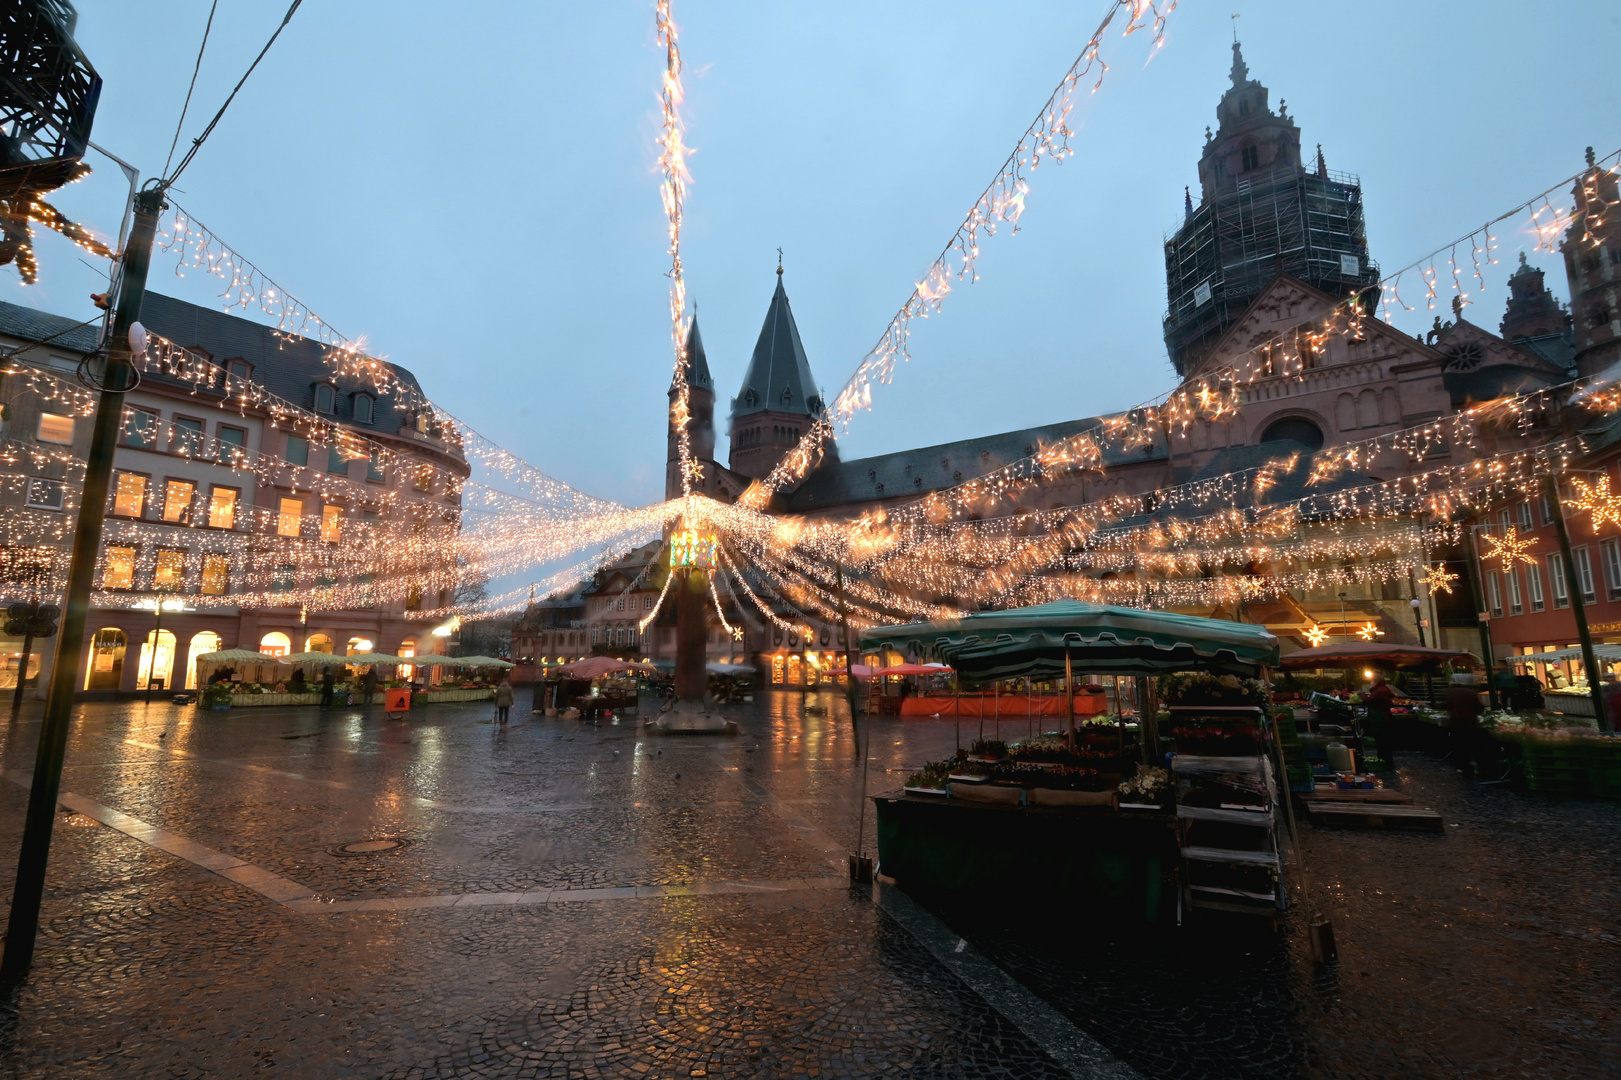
[(673, 189), (1509, 548), (658, 605), (1596, 500), (720, 614), (1002, 202)]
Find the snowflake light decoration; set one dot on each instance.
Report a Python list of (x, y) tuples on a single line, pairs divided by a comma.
[(1369, 632), (1438, 578), (1316, 635), (1509, 548), (1597, 500)]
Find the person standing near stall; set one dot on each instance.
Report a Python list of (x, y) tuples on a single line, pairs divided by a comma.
[(1463, 721), (368, 683), (1377, 725), (326, 687)]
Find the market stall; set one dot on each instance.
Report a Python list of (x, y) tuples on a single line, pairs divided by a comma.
[(595, 686), (1089, 812)]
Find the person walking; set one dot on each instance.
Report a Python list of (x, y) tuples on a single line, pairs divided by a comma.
[(326, 687), (503, 699), (1463, 721)]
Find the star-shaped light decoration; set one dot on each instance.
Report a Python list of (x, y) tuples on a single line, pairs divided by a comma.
[(1438, 578), (1596, 500), (1316, 635), (1508, 547), (1369, 632)]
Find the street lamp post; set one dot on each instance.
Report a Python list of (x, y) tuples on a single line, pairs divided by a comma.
[(1418, 619)]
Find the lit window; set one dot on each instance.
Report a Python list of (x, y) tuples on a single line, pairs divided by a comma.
[(298, 451), (331, 522), (324, 398), (216, 574), (44, 494), (363, 410), (54, 428), (140, 428), (170, 572), (119, 571), (187, 437), (129, 498), (290, 518), (177, 495), (423, 480), (222, 508)]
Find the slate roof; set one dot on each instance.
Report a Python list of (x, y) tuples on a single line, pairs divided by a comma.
[(288, 367), (34, 325), (779, 376), (931, 468), (698, 377), (1556, 349)]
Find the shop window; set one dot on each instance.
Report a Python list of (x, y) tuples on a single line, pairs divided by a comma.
[(140, 428), (332, 522), (129, 495), (297, 451), (233, 444), (222, 508), (408, 647), (202, 644), (290, 517), (795, 670), (320, 643), (358, 645), (276, 643), (216, 575), (106, 667), (44, 494), (177, 496), (157, 661), (1533, 581), (1584, 574), (1556, 580), (186, 436), (118, 572), (169, 573), (54, 428)]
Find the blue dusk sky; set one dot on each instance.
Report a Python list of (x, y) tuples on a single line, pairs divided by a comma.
[(473, 186)]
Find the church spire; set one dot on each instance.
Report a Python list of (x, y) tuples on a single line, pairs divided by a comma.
[(1241, 71)]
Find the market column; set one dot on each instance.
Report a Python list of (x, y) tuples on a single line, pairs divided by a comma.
[(692, 555)]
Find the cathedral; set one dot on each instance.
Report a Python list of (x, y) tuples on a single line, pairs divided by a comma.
[(1273, 244)]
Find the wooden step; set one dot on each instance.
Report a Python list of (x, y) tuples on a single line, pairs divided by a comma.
[(1372, 795), (1374, 815), (1260, 818), (1230, 855)]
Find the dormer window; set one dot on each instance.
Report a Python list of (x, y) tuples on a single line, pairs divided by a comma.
[(363, 408), (787, 396), (325, 398), (1251, 156), (240, 369)]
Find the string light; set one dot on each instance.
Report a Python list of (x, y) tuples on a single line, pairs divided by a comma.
[(1509, 548), (1596, 500), (673, 166), (1437, 578)]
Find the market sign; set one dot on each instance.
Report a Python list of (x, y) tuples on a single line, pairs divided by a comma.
[(692, 550)]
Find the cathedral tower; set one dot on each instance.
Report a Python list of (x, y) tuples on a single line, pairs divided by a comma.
[(1592, 249), (1531, 310), (700, 424), (1262, 212), (778, 401)]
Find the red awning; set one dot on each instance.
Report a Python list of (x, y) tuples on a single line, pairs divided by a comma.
[(594, 667), (916, 669)]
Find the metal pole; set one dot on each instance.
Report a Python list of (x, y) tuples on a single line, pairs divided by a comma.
[(22, 672), (1478, 587), (1573, 589), (34, 851), (1069, 695), (152, 654), (844, 620)]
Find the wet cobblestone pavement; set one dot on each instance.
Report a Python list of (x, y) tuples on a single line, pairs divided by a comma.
[(576, 900)]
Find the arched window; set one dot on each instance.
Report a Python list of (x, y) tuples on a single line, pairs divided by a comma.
[(106, 668), (157, 661), (358, 645), (325, 398), (408, 647), (1251, 154), (1297, 428), (276, 643), (363, 408), (1367, 409), (201, 643), (318, 643)]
